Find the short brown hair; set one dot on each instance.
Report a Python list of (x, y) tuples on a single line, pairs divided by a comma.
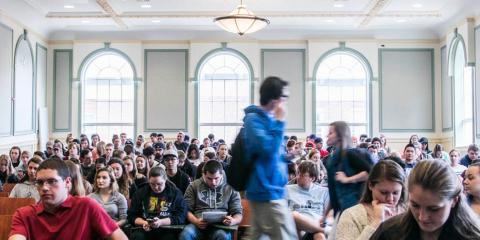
[(309, 167)]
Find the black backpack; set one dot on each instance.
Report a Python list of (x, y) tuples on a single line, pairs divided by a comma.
[(240, 167)]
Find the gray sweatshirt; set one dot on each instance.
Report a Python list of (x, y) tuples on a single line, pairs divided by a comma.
[(200, 198), (25, 190)]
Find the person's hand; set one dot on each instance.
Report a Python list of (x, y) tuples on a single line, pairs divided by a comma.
[(381, 212), (156, 223), (146, 226), (229, 221), (341, 177), (280, 112), (200, 223)]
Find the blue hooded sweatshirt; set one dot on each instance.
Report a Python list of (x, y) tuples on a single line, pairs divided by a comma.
[(263, 139)]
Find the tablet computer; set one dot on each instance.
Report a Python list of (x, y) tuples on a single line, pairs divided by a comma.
[(213, 217)]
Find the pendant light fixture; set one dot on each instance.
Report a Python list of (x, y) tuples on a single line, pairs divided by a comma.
[(241, 21)]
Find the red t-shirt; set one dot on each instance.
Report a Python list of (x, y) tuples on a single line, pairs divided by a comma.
[(76, 218)]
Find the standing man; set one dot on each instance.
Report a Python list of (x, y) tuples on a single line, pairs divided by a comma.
[(59, 215), (264, 127)]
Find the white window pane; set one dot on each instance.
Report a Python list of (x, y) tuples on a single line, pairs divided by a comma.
[(231, 112), (341, 92), (109, 73), (89, 130), (109, 95), (224, 91), (218, 89), (90, 89), (103, 111), (206, 112), (127, 90), (230, 90), (230, 134), (90, 111), (115, 111), (115, 90), (127, 112), (218, 112), (206, 90), (103, 90)]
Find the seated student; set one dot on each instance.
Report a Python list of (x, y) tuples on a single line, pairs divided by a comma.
[(454, 162), (143, 168), (121, 175), (80, 187), (472, 155), (472, 186), (99, 163), (26, 188), (185, 165), (209, 154), (178, 177), (410, 157), (105, 192), (59, 215), (87, 166), (7, 172), (437, 207), (157, 204), (308, 200), (385, 196), (211, 194)]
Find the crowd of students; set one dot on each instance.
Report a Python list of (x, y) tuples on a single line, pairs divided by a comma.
[(349, 189)]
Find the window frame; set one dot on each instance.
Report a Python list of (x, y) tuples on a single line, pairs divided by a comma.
[(81, 93), (369, 79), (201, 63)]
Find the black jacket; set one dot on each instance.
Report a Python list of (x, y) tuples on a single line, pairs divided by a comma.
[(169, 203)]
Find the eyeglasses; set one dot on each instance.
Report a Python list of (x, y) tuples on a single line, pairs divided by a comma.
[(51, 182)]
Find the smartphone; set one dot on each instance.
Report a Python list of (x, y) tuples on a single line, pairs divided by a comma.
[(150, 220)]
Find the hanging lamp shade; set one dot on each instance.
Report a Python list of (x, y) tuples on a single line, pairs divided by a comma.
[(241, 21)]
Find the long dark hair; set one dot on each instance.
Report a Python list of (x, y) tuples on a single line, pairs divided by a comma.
[(124, 181)]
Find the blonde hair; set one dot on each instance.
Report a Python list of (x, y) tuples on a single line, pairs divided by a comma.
[(113, 182), (10, 169), (77, 189)]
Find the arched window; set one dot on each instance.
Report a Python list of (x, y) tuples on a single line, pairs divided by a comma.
[(342, 92), (463, 99), (108, 96), (224, 91)]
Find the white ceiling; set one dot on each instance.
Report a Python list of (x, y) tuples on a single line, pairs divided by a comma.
[(193, 19)]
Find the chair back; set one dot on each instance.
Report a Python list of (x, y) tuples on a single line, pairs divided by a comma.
[(8, 206)]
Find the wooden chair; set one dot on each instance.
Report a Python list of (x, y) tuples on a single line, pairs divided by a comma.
[(7, 187), (245, 223), (5, 225), (9, 205), (4, 194)]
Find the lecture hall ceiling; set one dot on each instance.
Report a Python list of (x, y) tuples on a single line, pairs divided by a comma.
[(192, 19)]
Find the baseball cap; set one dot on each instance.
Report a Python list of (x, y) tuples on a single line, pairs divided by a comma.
[(170, 152)]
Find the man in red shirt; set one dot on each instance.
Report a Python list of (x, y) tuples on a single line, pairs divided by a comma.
[(59, 215)]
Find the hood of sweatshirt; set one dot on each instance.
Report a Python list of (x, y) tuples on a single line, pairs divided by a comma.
[(211, 199)]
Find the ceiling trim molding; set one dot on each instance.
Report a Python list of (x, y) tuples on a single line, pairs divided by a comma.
[(109, 10), (375, 9), (432, 14)]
